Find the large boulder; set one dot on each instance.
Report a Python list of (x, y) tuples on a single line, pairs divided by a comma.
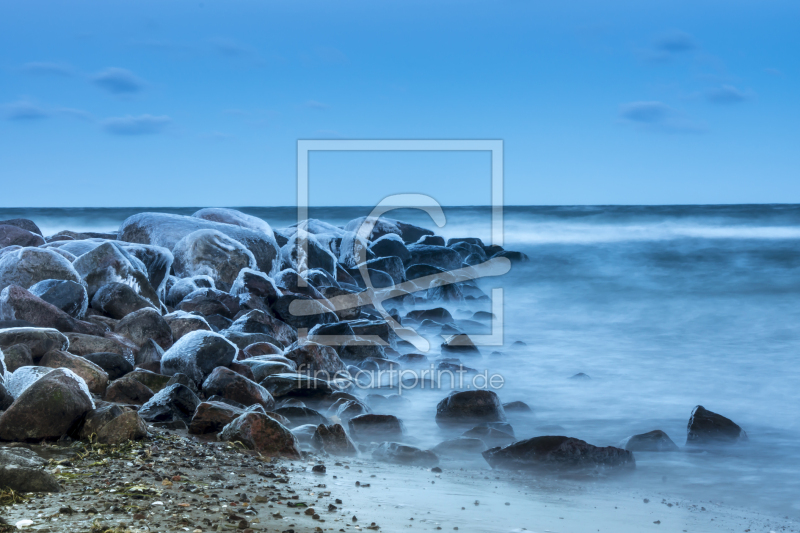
[(150, 353), (69, 296), (438, 256), (47, 409), (23, 377), (402, 454), (263, 434), (296, 386), (552, 454), (333, 439), (28, 266), (143, 325), (653, 441), (301, 311), (95, 377), (208, 302), (233, 386), (182, 323), (111, 263), (376, 427), (152, 380), (24, 223), (390, 245), (256, 283), (17, 303), (304, 252), (315, 359), (17, 356), (466, 408), (157, 262), (197, 354), (181, 288), (259, 322), (38, 340), (208, 252), (22, 470), (376, 227), (161, 229), (707, 428), (176, 402), (235, 218), (112, 424), (80, 344)]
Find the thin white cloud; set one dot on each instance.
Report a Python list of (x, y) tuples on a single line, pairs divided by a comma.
[(119, 81), (136, 125), (658, 117)]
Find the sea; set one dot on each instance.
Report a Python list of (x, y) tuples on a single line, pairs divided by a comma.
[(663, 307)]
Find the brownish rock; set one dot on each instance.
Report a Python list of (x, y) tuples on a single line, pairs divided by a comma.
[(263, 434)]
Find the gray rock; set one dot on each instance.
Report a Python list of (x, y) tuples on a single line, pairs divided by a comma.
[(38, 340), (166, 230), (16, 356), (390, 245), (113, 364), (333, 439), (69, 296), (560, 454), (438, 256), (316, 359), (232, 386), (468, 408), (23, 223), (185, 286), (707, 428), (149, 352), (374, 228), (143, 325), (263, 434), (376, 427), (28, 266), (315, 255), (182, 323), (16, 236), (21, 470), (402, 454), (17, 303), (250, 281), (111, 263), (234, 217), (176, 402), (653, 441), (197, 354)]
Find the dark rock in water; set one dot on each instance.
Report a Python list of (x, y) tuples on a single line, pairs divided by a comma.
[(460, 346), (166, 230), (186, 286), (17, 303), (421, 271), (559, 454), (69, 296), (316, 359), (17, 356), (300, 311), (517, 407), (128, 390), (24, 223), (351, 312), (47, 408), (707, 428), (212, 253), (243, 340), (256, 283), (197, 354), (466, 249), (262, 369), (211, 417), (182, 323), (392, 265), (390, 245), (460, 447), (402, 454), (114, 364), (469, 407), (118, 300), (580, 377), (414, 360), (299, 416), (451, 294), (176, 402), (490, 436), (260, 322), (22, 470), (95, 377), (229, 384), (295, 386), (38, 340), (333, 439), (144, 325), (376, 227), (654, 441), (16, 236), (348, 409), (358, 350), (154, 381), (261, 433), (437, 256), (111, 263), (475, 241), (149, 352), (376, 427), (392, 402)]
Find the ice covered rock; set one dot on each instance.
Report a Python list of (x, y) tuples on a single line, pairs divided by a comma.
[(27, 266), (17, 303), (208, 252), (182, 323), (250, 281), (197, 354), (304, 252), (233, 386), (118, 300), (375, 227), (38, 340), (185, 286), (234, 217), (166, 230), (16, 236), (47, 408), (111, 263), (143, 325)]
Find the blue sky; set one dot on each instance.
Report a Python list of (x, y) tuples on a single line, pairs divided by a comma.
[(144, 103)]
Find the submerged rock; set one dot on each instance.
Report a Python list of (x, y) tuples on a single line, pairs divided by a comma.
[(469, 407), (402, 454), (707, 428), (559, 454), (333, 439), (376, 427), (653, 441), (461, 446)]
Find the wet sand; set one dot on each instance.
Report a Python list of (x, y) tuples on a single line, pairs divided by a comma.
[(174, 482)]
